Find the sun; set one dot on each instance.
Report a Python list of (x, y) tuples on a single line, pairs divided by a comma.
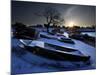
[(71, 24)]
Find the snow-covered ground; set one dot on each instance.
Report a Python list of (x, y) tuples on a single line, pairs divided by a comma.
[(26, 62)]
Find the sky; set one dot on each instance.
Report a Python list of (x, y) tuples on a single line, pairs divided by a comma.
[(27, 13)]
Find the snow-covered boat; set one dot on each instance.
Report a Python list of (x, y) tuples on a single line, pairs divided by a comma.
[(48, 36), (66, 40), (53, 52), (60, 38)]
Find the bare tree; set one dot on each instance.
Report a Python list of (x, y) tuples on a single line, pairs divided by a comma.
[(53, 17)]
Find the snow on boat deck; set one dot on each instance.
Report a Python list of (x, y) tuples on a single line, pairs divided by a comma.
[(81, 46)]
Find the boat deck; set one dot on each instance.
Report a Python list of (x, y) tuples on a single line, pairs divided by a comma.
[(81, 46)]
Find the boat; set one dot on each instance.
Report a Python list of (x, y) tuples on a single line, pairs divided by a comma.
[(66, 40), (77, 36), (59, 37), (53, 52), (44, 36), (47, 36)]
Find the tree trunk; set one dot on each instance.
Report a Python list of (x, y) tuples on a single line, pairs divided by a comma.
[(48, 27)]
